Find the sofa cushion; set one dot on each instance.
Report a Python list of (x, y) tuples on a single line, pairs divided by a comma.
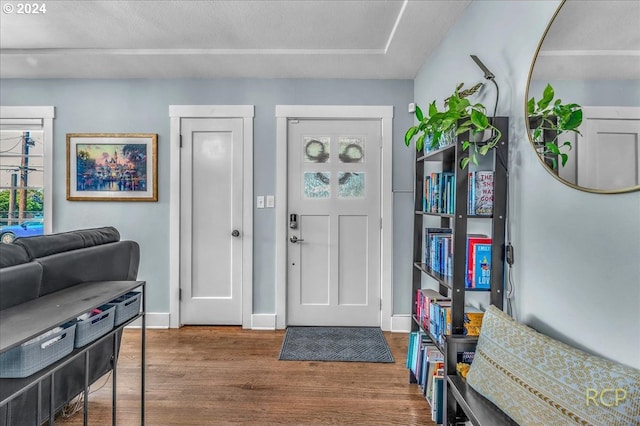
[(537, 380), (19, 284), (12, 254), (45, 245), (116, 261)]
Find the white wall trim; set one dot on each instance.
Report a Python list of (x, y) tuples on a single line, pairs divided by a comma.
[(383, 113), (153, 320), (611, 112), (263, 321), (46, 114), (401, 323), (176, 113)]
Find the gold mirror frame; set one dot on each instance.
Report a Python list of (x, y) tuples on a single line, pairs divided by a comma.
[(528, 127)]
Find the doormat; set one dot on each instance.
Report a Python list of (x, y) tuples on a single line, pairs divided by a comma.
[(354, 344)]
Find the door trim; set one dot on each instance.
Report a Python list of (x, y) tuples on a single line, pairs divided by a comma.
[(385, 115), (176, 113)]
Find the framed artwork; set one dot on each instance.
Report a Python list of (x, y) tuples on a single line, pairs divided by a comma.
[(112, 167)]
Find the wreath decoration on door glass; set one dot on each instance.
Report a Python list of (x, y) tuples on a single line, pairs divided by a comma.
[(315, 151)]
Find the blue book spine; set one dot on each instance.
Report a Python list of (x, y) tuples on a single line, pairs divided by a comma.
[(482, 265)]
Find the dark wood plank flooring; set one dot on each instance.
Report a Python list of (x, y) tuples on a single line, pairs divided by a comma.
[(200, 375)]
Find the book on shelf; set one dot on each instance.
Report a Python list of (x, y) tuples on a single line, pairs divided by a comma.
[(472, 241), (437, 406), (472, 321), (481, 275), (421, 354), (463, 362), (424, 298), (439, 193), (436, 367), (439, 250), (480, 193), (437, 319)]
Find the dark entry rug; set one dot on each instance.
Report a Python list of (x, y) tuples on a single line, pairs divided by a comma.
[(356, 344)]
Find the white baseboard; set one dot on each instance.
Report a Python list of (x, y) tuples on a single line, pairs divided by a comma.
[(152, 320), (401, 323), (263, 321)]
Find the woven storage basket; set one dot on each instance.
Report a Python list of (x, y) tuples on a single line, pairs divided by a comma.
[(26, 359), (93, 327), (127, 306)]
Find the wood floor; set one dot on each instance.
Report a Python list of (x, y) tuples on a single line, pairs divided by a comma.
[(226, 375)]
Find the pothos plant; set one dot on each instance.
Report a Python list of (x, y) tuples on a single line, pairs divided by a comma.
[(558, 118), (459, 117)]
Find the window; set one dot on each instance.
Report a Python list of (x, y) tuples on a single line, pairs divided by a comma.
[(26, 136)]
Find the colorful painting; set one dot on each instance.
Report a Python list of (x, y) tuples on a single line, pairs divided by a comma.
[(117, 167)]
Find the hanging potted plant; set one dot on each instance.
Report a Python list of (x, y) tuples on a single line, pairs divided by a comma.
[(548, 119), (459, 117)]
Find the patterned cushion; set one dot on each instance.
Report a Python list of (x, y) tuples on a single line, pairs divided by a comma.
[(539, 381)]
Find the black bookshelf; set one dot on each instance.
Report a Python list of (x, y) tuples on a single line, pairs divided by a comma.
[(454, 287)]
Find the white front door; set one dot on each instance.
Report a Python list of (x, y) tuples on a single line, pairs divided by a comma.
[(333, 254), (211, 216)]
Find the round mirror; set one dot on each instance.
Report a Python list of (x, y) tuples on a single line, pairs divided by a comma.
[(583, 96)]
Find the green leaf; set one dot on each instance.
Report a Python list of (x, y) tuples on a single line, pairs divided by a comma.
[(420, 142), (553, 148), (484, 149), (464, 162), (419, 115), (479, 119), (410, 133), (433, 109), (547, 97), (574, 120), (474, 159), (531, 106), (564, 158), (465, 145)]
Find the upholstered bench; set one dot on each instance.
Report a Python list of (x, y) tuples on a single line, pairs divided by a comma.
[(536, 380)]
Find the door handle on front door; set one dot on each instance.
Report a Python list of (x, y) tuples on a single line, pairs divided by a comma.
[(235, 233), (295, 239)]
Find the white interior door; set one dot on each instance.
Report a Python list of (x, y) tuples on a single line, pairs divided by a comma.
[(333, 255), (211, 217), (609, 149)]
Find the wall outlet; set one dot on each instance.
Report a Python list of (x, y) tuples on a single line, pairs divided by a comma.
[(271, 201), (260, 201), (412, 107)]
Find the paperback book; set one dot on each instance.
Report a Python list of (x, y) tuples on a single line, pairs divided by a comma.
[(480, 193)]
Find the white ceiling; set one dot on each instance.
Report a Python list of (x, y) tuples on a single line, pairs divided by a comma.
[(591, 40), (224, 38), (289, 39)]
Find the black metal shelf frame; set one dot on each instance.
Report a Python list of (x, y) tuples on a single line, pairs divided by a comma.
[(61, 307)]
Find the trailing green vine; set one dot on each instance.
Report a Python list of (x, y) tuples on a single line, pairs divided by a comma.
[(460, 116), (556, 117)]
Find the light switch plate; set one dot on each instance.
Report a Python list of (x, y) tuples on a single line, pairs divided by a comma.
[(271, 201), (260, 201)]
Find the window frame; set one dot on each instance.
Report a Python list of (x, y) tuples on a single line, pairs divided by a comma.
[(11, 116)]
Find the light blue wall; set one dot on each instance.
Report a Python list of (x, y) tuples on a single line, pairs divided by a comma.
[(576, 272), (143, 106)]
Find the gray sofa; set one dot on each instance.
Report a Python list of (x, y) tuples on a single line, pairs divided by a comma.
[(32, 267)]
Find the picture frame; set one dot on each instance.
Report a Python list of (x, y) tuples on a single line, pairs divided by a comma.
[(112, 167)]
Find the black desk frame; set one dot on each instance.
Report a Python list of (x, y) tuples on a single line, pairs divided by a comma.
[(19, 324)]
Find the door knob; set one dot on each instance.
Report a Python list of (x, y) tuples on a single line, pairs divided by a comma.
[(235, 233), (295, 239)]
